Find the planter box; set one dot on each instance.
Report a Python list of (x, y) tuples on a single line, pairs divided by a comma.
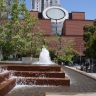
[(26, 60), (35, 60)]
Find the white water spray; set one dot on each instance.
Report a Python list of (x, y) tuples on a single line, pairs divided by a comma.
[(44, 57)]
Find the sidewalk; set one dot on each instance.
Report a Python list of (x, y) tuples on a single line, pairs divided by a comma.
[(70, 94), (77, 67)]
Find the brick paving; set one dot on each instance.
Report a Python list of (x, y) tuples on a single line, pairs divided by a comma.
[(79, 83)]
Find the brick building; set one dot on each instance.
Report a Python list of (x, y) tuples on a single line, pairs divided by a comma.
[(72, 28)]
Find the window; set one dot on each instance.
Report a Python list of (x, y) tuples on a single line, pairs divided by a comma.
[(55, 13), (50, 3)]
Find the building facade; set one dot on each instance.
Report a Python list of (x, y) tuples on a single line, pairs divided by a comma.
[(40, 5), (57, 15), (72, 29), (56, 19)]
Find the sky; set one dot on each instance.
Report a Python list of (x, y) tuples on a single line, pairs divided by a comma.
[(87, 6)]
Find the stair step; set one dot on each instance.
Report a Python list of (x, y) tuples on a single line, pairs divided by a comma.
[(7, 86), (44, 81), (46, 74), (4, 76), (39, 75), (34, 68)]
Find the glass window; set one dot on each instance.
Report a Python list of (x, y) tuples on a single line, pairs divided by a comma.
[(55, 13)]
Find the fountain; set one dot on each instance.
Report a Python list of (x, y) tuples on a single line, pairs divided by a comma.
[(33, 74), (44, 58)]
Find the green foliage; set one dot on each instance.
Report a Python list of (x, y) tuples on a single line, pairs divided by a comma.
[(91, 45), (62, 53), (94, 23), (90, 39), (20, 36), (52, 52), (67, 53)]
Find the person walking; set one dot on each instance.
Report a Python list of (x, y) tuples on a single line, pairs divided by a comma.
[(82, 67), (87, 65)]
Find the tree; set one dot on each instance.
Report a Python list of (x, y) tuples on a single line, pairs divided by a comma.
[(67, 53), (3, 9), (11, 34), (32, 33), (89, 33), (63, 53), (3, 20), (20, 34), (91, 46)]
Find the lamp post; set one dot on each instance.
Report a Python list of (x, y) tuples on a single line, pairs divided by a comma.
[(56, 14), (92, 66), (59, 48), (56, 27), (80, 53)]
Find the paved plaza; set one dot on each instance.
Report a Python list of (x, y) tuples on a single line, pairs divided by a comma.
[(79, 83), (71, 94)]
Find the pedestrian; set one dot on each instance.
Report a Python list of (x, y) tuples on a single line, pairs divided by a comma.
[(62, 63), (86, 65), (82, 67)]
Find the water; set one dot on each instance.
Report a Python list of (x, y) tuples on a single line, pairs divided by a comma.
[(3, 70), (44, 58)]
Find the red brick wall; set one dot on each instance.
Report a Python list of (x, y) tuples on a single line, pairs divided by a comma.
[(46, 26), (72, 30), (75, 27), (35, 13), (78, 15), (78, 41)]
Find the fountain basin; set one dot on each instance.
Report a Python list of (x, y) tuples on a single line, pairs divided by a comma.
[(32, 75), (40, 74), (33, 68), (7, 86), (4, 76), (44, 81), (44, 74)]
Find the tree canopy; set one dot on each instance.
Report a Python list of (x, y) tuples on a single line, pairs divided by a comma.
[(63, 51), (20, 32), (90, 39)]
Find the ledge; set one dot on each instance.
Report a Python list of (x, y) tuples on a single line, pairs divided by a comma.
[(81, 72)]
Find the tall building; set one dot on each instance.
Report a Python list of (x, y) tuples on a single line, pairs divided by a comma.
[(58, 21), (40, 5), (48, 9)]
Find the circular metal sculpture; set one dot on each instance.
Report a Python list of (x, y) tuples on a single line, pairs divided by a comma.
[(55, 14)]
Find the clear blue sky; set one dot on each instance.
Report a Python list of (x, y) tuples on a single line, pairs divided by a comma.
[(87, 6)]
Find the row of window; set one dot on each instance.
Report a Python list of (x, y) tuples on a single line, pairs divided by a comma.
[(42, 3)]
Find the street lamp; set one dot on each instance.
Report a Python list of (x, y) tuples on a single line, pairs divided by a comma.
[(56, 27), (81, 52), (57, 15), (92, 66)]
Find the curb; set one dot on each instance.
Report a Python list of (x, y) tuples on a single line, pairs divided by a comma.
[(81, 72), (70, 93)]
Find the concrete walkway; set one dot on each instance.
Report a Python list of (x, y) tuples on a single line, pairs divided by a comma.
[(70, 94), (75, 68)]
